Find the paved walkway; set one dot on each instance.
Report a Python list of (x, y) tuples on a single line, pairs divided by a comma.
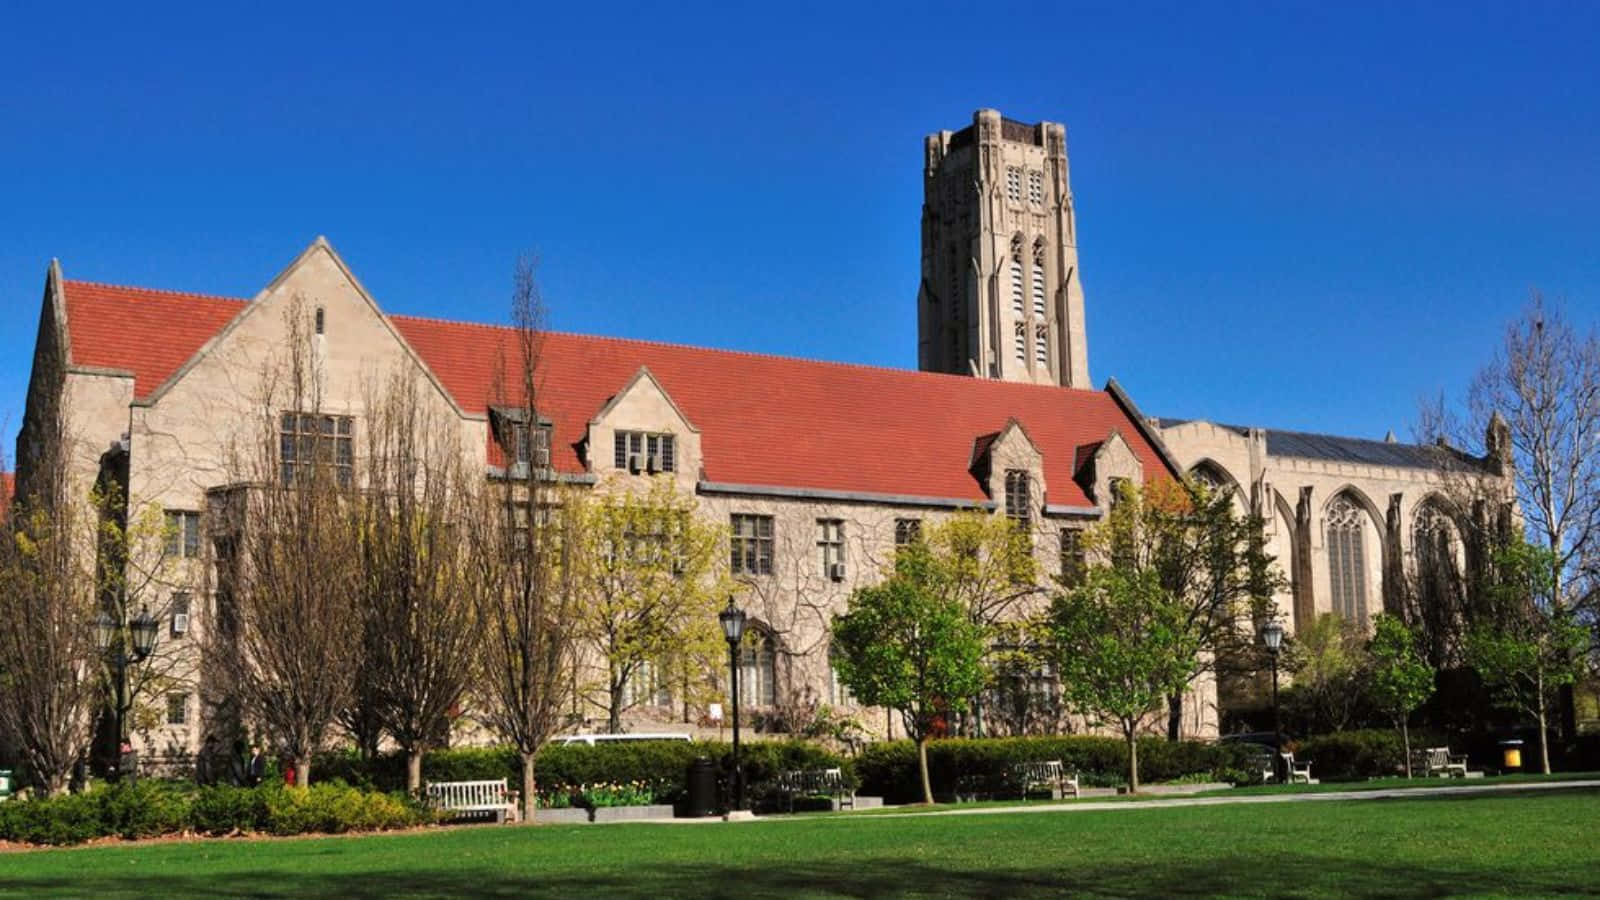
[(1223, 800)]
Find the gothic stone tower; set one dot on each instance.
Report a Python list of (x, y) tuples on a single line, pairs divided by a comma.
[(1000, 295)]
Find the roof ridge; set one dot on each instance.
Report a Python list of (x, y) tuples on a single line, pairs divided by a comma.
[(149, 290), (753, 354), (1346, 437)]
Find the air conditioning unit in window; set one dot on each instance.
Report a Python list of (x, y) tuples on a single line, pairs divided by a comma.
[(836, 571), (654, 463), (180, 623), (541, 457), (635, 461)]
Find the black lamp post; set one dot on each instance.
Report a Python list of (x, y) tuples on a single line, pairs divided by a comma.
[(1272, 637), (732, 620), (124, 645)]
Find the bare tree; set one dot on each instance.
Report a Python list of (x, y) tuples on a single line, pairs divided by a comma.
[(288, 630), (48, 656), (1536, 408), (519, 538), (417, 604)]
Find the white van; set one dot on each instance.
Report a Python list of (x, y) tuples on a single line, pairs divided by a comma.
[(592, 739)]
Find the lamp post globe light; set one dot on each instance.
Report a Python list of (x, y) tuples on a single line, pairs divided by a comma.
[(1272, 637), (123, 646), (732, 619)]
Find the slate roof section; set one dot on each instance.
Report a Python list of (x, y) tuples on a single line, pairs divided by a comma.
[(1361, 451), (764, 420)]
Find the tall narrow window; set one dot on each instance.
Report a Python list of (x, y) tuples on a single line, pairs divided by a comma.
[(1013, 184), (180, 614), (838, 693), (1020, 336), (1073, 561), (830, 546), (1041, 344), (183, 534), (751, 544), (1347, 567), (1016, 287), (1038, 283), (758, 668), (1018, 502), (177, 709), (1035, 187), (319, 320)]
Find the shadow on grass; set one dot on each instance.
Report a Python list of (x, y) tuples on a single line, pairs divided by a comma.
[(1252, 874)]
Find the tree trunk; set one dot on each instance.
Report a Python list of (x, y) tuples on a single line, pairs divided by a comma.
[(922, 766), (55, 784), (1133, 762), (1405, 738), (414, 771), (302, 770), (1544, 737), (614, 712), (1174, 717), (530, 794)]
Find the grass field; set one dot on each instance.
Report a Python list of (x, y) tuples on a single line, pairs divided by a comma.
[(1539, 844)]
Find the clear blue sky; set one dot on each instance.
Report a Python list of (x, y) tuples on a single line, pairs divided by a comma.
[(1294, 217)]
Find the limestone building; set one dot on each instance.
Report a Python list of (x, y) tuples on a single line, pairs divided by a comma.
[(1000, 295), (816, 470)]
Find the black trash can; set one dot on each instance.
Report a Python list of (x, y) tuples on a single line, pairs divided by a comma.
[(700, 788)]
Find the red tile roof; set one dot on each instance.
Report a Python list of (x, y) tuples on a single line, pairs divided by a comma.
[(149, 333), (763, 420)]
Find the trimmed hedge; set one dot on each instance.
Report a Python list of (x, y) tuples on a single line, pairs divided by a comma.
[(889, 769), (569, 767), (1366, 753), (151, 808)]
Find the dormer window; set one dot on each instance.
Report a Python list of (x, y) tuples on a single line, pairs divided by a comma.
[(644, 451), (531, 446)]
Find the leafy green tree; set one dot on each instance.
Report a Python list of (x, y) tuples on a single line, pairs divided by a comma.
[(1328, 659), (647, 574), (1122, 647), (1209, 558), (1399, 680), (1532, 646), (906, 645)]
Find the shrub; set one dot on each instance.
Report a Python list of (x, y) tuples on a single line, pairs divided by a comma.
[(889, 769), (565, 768), (222, 809), (1368, 753), (68, 819), (147, 808)]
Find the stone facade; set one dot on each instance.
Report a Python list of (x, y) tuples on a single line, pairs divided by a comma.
[(1001, 295)]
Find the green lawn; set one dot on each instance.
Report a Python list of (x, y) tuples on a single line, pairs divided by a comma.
[(1544, 843)]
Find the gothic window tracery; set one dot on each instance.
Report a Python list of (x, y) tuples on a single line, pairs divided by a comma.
[(1347, 567)]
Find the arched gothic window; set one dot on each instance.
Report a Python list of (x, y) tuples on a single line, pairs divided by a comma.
[(1021, 333), (758, 668), (1347, 562)]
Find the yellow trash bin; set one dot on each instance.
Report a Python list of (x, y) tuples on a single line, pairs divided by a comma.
[(1511, 755)]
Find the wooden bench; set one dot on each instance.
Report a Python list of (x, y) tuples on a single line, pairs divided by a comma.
[(1299, 772), (1432, 761), (829, 783), (1045, 774), (473, 797)]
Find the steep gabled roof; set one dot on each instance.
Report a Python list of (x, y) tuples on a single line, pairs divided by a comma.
[(764, 420), (796, 423), (147, 333)]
